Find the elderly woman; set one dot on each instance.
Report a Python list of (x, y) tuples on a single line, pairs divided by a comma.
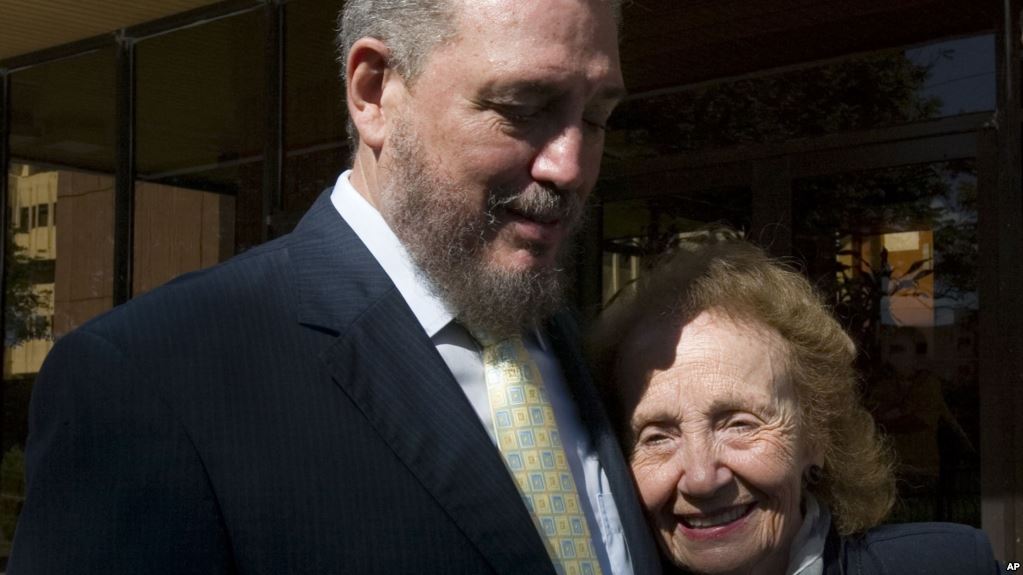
[(738, 409)]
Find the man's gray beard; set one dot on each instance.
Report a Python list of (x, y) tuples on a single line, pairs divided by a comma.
[(447, 241)]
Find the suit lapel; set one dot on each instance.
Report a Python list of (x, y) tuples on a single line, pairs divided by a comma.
[(410, 397), (564, 337), (383, 360)]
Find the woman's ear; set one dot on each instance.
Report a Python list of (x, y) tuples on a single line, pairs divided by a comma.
[(813, 464), (369, 75), (813, 455)]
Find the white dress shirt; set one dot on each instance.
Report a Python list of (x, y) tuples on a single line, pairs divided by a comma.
[(462, 355), (806, 554)]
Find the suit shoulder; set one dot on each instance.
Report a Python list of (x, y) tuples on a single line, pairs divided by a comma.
[(927, 548)]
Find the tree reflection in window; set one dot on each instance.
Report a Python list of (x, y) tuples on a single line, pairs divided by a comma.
[(896, 250), (882, 89)]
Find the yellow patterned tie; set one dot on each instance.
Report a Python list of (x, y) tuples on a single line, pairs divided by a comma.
[(528, 437)]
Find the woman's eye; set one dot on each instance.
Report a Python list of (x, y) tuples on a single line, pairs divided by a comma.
[(654, 437), (740, 423)]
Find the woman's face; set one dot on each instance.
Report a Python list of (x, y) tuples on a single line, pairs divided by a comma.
[(716, 449)]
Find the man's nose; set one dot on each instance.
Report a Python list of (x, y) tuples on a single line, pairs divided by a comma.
[(562, 160), (703, 473)]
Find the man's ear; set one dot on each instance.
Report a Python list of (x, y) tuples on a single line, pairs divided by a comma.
[(369, 73)]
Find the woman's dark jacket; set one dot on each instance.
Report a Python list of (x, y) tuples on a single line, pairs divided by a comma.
[(907, 549), (910, 548)]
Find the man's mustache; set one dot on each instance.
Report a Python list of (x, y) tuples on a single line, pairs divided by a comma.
[(538, 202)]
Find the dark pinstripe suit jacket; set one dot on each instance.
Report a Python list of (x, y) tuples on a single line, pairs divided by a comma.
[(280, 413)]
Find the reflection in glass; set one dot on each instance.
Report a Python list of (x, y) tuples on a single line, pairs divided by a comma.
[(32, 255), (315, 140), (47, 296), (636, 230), (897, 251), (961, 74), (201, 115), (878, 90), (178, 230), (62, 113), (62, 146)]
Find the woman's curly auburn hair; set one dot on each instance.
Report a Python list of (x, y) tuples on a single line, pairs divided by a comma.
[(729, 275)]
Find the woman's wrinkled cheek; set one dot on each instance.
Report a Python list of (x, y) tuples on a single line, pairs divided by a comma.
[(655, 477)]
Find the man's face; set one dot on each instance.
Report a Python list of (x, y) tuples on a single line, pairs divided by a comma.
[(497, 145)]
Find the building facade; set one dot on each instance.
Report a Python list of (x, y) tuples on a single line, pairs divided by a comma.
[(875, 145)]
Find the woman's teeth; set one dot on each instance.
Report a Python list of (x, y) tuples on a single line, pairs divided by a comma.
[(717, 519)]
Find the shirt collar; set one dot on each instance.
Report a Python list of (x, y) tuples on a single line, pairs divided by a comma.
[(369, 225), (806, 554)]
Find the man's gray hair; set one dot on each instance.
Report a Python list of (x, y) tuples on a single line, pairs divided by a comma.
[(410, 28)]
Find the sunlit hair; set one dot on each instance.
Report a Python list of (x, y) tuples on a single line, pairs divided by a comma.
[(724, 273), (410, 28)]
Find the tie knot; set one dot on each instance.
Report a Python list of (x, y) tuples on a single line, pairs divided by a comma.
[(487, 339)]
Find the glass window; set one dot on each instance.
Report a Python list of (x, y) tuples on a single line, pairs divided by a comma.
[(62, 113), (43, 215), (201, 129), (896, 250), (62, 147), (315, 139), (960, 74), (24, 219), (635, 230), (876, 90)]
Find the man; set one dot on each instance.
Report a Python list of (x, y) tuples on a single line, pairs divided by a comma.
[(323, 403)]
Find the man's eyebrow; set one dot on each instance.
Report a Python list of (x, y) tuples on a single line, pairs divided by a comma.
[(546, 89), (525, 88)]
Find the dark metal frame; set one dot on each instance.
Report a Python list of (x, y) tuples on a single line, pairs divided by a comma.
[(1001, 251), (273, 154), (72, 50), (124, 187), (5, 123), (195, 17)]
